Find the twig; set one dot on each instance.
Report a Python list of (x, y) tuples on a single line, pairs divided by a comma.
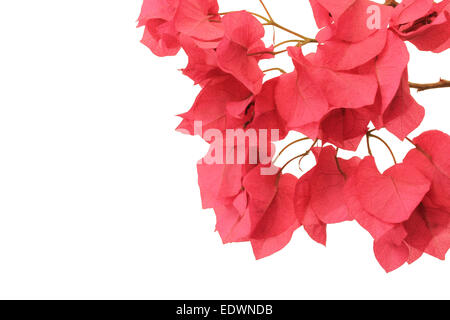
[(287, 146), (420, 149), (427, 86), (338, 165), (274, 53), (385, 143), (275, 69), (300, 155), (391, 3), (284, 42), (368, 144), (265, 9)]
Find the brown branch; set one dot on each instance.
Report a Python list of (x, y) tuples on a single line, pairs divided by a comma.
[(275, 69), (265, 9), (420, 149), (426, 86), (286, 147), (274, 53), (370, 135), (285, 42), (369, 149), (338, 165), (301, 156), (391, 3)]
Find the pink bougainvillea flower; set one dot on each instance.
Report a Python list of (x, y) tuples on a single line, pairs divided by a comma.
[(320, 90), (318, 195), (339, 88), (426, 231), (358, 75), (390, 67), (394, 107), (432, 159), (202, 65), (341, 55), (315, 228), (222, 104), (241, 49), (282, 208), (325, 11), (419, 235), (404, 114), (199, 19), (300, 103), (219, 182), (390, 249), (270, 202), (166, 20), (362, 19), (321, 14), (429, 232), (417, 225), (424, 23), (160, 34), (250, 206), (352, 36), (266, 116), (221, 189), (345, 128), (411, 10), (237, 53), (265, 247), (306, 100), (392, 196), (262, 212)]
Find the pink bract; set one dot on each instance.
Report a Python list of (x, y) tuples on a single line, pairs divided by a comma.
[(354, 83)]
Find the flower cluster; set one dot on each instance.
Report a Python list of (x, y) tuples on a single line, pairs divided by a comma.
[(355, 82)]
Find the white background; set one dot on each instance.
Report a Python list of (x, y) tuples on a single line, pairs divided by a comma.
[(98, 193)]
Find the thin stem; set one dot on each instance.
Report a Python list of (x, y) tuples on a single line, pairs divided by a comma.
[(300, 162), (265, 9), (284, 42), (338, 165), (305, 42), (427, 86), (273, 23), (385, 143), (420, 149), (289, 162), (266, 52), (412, 142), (287, 146), (391, 3), (301, 156), (275, 69), (368, 144)]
